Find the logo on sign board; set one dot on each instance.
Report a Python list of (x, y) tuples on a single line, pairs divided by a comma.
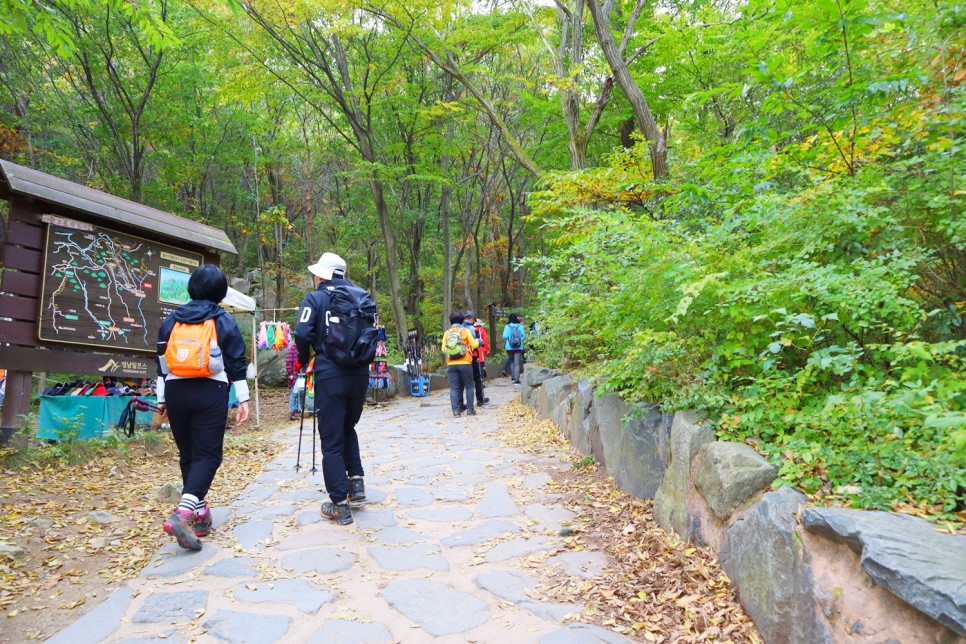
[(110, 366), (182, 355)]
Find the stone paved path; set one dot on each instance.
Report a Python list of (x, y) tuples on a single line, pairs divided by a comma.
[(434, 556)]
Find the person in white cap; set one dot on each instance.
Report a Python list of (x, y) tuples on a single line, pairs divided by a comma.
[(337, 324)]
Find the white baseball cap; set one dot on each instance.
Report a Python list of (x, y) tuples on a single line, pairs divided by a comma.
[(328, 265)]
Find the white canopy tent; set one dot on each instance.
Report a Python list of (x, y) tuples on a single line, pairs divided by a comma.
[(237, 301)]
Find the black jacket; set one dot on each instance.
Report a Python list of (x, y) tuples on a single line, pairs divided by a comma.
[(311, 330), (229, 336)]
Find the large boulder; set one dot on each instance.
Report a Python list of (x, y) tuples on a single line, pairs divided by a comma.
[(689, 432), (551, 393), (904, 555), (240, 284), (763, 556), (271, 369), (730, 474), (629, 439), (579, 427), (531, 380)]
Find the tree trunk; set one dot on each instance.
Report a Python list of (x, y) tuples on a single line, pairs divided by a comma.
[(642, 111)]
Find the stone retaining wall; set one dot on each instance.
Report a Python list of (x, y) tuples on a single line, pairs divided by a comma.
[(802, 574)]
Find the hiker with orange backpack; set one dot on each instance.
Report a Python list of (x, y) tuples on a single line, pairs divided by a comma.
[(201, 353)]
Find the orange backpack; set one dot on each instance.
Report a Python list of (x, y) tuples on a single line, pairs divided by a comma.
[(188, 350)]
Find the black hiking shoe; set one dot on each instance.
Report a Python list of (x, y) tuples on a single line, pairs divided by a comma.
[(471, 412), (357, 491), (457, 414), (338, 512)]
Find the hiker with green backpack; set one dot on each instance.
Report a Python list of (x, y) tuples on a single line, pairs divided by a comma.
[(458, 345)]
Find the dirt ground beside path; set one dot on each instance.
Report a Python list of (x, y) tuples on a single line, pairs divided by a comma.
[(72, 563)]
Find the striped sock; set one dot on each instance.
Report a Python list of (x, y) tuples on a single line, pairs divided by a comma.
[(201, 505), (188, 502)]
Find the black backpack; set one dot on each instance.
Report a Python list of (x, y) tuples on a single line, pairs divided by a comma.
[(350, 326)]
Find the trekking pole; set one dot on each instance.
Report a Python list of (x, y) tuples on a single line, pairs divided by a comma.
[(313, 470), (298, 455)]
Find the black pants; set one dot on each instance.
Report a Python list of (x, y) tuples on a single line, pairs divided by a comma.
[(338, 407), (198, 411), (478, 381)]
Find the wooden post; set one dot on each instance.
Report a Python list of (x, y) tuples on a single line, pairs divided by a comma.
[(16, 402)]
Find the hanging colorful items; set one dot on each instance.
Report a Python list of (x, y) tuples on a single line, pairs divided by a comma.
[(274, 335), (379, 369)]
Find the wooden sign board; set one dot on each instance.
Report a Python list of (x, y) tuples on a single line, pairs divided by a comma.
[(106, 289)]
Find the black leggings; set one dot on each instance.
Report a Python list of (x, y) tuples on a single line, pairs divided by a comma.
[(198, 411)]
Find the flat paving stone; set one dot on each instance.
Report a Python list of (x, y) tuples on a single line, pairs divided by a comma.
[(281, 464), (376, 480), (414, 497), (97, 625), (368, 519), (468, 467), (329, 535), (219, 517), (451, 493), (276, 476), (251, 534), (405, 558), (373, 495), (497, 502), (308, 518), (442, 515), (480, 534), (173, 560), (397, 535), (342, 631), (468, 479), (517, 548), (435, 607), (307, 597), (536, 480), (549, 517), (247, 628), (585, 565), (169, 636), (302, 495), (510, 585), (324, 561), (234, 567), (171, 607), (582, 634), (273, 512), (257, 493)]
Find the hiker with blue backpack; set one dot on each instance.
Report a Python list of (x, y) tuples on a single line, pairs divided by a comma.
[(515, 335)]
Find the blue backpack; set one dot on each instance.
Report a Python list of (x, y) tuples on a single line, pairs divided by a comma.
[(516, 337)]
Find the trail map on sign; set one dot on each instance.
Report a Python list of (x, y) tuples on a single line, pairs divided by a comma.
[(108, 289)]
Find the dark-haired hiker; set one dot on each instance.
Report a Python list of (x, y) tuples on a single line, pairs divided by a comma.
[(197, 407), (514, 334)]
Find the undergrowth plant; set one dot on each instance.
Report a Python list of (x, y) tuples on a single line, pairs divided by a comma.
[(803, 282)]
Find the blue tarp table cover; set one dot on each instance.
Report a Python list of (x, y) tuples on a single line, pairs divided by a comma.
[(91, 416)]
